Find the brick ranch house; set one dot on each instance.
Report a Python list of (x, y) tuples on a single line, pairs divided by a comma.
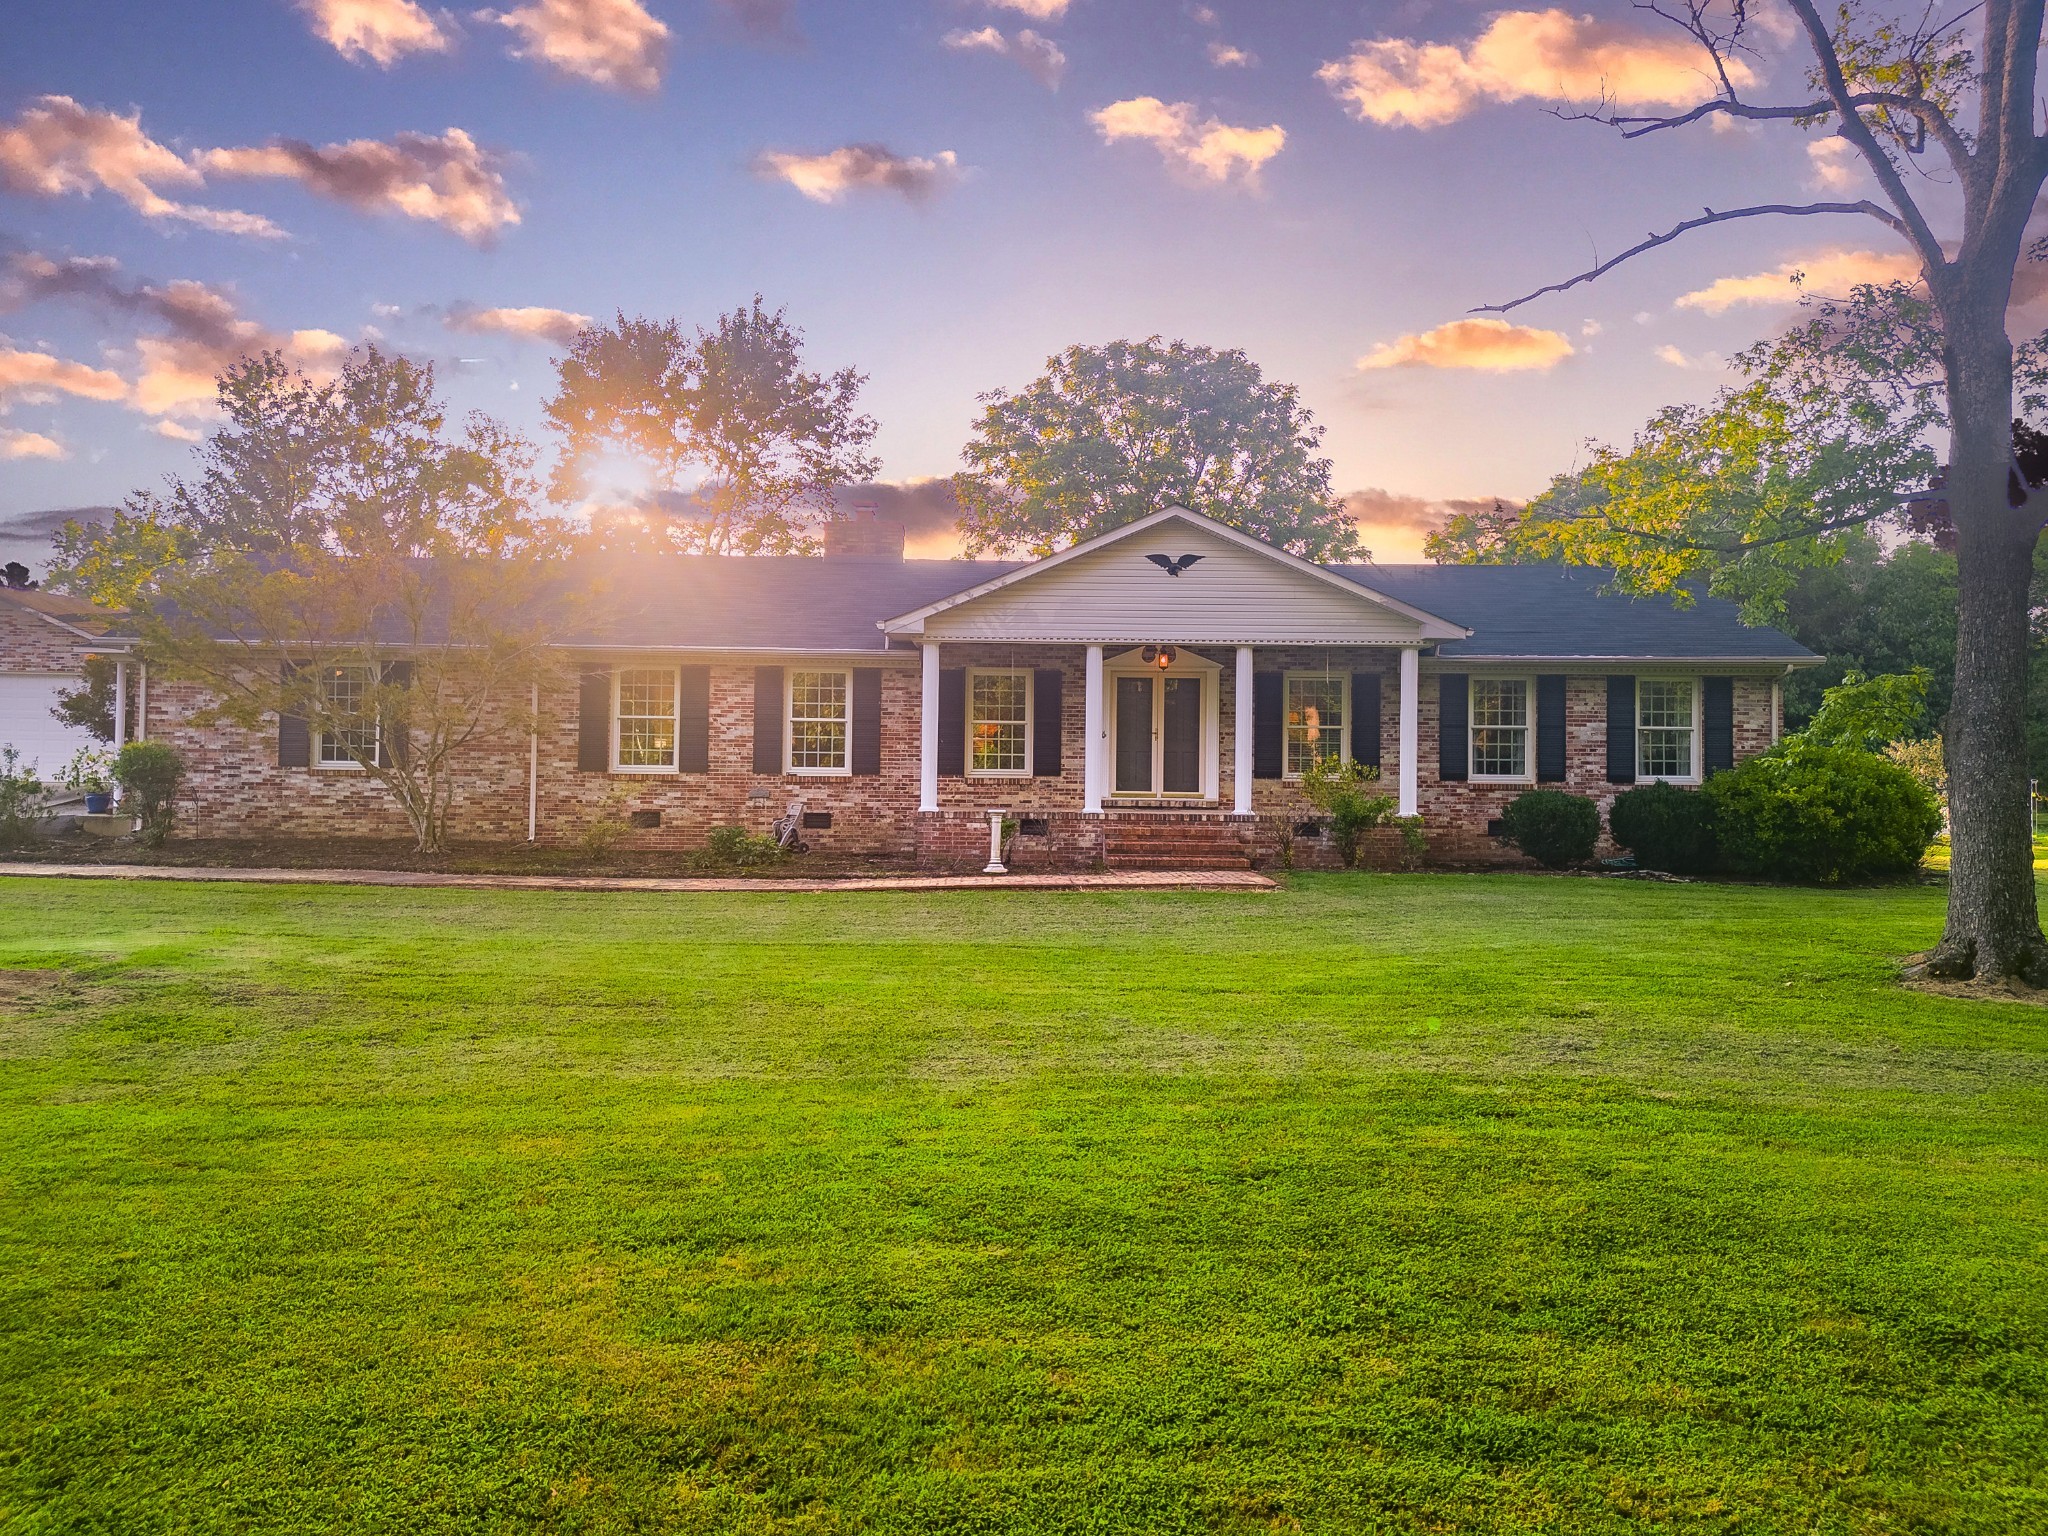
[(1147, 697)]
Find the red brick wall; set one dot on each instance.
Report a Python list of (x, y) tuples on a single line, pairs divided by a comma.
[(31, 643), (235, 787)]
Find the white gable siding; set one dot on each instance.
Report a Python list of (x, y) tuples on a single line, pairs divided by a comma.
[(1233, 595)]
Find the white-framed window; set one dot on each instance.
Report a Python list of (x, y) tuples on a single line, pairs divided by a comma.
[(1501, 714), (1667, 728), (344, 693), (998, 723), (820, 714), (1318, 705), (644, 706)]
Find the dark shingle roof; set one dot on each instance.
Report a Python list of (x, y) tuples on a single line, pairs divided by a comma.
[(1547, 610), (771, 602), (800, 603)]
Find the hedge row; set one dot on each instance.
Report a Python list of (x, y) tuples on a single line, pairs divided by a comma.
[(1800, 812)]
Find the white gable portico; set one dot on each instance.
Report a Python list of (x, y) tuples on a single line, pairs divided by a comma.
[(1140, 599)]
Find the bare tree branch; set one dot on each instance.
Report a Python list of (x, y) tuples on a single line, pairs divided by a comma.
[(1910, 222), (1791, 210)]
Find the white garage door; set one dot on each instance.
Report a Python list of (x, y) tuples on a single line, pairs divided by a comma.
[(27, 725)]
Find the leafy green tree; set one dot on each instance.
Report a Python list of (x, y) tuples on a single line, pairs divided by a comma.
[(1965, 89), (1875, 611), (346, 529), (743, 445), (1111, 434)]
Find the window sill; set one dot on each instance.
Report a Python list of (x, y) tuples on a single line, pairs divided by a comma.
[(818, 773), (639, 772)]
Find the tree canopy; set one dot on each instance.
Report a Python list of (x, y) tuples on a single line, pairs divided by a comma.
[(742, 445), (1113, 433), (345, 559)]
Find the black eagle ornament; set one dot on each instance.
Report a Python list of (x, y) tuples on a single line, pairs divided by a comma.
[(1173, 565)]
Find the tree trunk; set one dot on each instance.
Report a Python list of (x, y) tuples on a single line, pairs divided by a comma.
[(1994, 925)]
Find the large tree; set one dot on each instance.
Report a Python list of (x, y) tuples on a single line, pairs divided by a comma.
[(1109, 434), (741, 445), (346, 562), (1963, 89)]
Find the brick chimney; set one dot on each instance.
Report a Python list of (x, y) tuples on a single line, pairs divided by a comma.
[(864, 535)]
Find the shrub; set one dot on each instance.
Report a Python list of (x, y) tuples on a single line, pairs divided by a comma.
[(1665, 827), (24, 805), (1555, 829), (149, 774), (1814, 813), (738, 846), (1344, 790), (90, 771)]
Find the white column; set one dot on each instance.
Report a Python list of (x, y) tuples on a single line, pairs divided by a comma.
[(1091, 732), (1411, 693), (1241, 745), (928, 732), (120, 702)]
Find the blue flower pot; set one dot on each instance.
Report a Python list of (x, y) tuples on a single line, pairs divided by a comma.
[(100, 804)]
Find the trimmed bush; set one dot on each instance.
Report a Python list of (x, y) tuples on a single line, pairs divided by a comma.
[(1811, 813), (149, 774), (1665, 827), (1555, 829)]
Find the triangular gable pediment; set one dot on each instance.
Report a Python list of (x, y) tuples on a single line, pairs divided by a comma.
[(1115, 590)]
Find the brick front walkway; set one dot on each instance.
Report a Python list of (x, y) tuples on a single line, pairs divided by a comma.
[(1121, 880)]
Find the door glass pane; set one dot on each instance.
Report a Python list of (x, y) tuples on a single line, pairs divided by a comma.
[(1134, 735), (1183, 733)]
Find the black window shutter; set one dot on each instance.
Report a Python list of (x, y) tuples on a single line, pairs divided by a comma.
[(953, 723), (294, 740), (1269, 737), (1454, 727), (1550, 733), (693, 721), (594, 721), (866, 727), (1717, 723), (768, 720), (1047, 694), (1365, 719), (1621, 730), (394, 746)]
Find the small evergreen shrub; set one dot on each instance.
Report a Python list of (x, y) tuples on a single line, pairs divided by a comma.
[(24, 800), (1665, 827), (1804, 812), (730, 846), (1347, 792), (149, 774), (1555, 829)]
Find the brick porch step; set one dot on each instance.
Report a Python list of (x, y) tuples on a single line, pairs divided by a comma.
[(1183, 861), (1172, 843)]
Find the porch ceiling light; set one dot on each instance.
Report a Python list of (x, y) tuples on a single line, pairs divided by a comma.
[(1161, 656)]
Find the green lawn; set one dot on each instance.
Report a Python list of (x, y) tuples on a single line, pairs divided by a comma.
[(1436, 1203)]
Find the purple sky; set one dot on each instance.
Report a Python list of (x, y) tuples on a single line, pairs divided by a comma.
[(942, 192)]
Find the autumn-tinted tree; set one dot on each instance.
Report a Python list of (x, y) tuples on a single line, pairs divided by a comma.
[(389, 591), (1111, 434), (1961, 90), (741, 444)]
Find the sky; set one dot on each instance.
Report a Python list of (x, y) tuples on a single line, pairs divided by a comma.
[(942, 193)]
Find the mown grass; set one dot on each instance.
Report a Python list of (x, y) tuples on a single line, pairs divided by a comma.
[(1437, 1203)]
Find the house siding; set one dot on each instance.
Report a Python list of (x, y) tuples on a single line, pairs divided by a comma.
[(235, 788)]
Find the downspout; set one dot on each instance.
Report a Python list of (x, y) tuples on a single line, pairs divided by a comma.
[(142, 701), (533, 770)]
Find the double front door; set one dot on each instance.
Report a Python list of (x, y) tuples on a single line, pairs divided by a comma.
[(1158, 747)]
